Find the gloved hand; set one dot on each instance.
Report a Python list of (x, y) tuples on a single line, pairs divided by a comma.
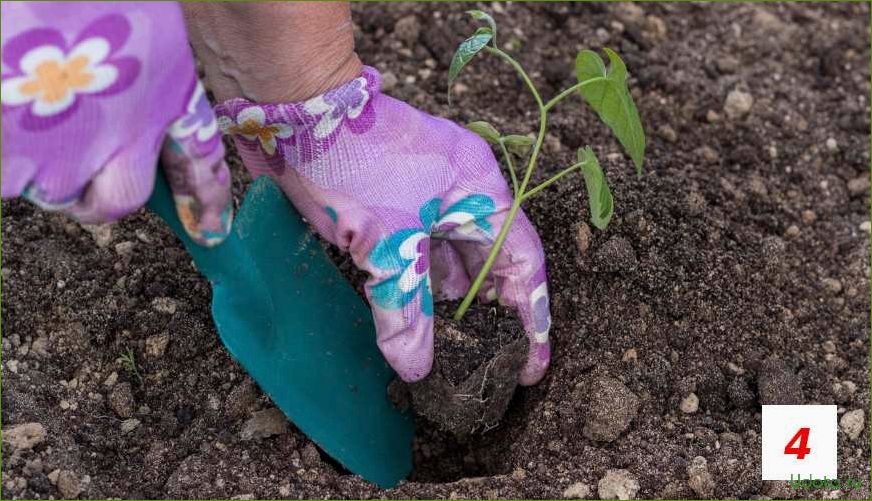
[(91, 97), (379, 179)]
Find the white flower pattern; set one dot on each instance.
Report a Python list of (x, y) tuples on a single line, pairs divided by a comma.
[(346, 101), (52, 79)]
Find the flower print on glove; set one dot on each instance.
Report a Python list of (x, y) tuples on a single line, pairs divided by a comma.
[(417, 201), (91, 100)]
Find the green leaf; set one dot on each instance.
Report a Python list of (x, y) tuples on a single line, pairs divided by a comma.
[(598, 195), (486, 131), (612, 101), (484, 16), (519, 145), (465, 52)]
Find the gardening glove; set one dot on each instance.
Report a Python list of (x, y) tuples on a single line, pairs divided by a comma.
[(379, 179), (92, 97)]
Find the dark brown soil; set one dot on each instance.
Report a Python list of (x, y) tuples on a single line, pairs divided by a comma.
[(745, 269), (462, 347), (477, 362)]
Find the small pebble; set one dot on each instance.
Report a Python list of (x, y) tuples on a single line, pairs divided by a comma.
[(582, 238), (263, 424), (792, 231), (459, 88), (858, 186), (156, 346), (735, 369), (124, 249), (832, 145), (808, 216), (738, 104), (129, 425), (712, 116), (865, 226), (102, 233), (709, 154), (578, 490), (552, 143), (690, 404), (667, 133), (519, 474), (699, 478), (143, 237), (833, 286), (68, 484), (618, 484), (656, 27), (852, 423)]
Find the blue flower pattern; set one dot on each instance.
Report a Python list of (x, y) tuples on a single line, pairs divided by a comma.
[(406, 252)]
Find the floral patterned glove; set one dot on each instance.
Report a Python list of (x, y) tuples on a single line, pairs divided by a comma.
[(416, 200), (91, 97)]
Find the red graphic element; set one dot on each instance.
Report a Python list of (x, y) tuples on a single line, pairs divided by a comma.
[(802, 450)]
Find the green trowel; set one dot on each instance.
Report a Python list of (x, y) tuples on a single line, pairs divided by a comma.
[(288, 316)]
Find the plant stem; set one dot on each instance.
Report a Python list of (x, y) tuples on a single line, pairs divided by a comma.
[(516, 203), (559, 97), (554, 178), (511, 167)]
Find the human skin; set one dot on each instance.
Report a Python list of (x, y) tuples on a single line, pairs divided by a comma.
[(273, 52)]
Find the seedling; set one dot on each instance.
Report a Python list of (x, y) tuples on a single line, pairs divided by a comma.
[(128, 362), (603, 88)]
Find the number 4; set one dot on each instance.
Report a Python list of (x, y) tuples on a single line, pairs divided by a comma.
[(802, 450)]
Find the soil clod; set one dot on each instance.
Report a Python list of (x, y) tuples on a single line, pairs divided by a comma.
[(121, 400), (476, 366), (778, 385), (612, 407), (616, 255)]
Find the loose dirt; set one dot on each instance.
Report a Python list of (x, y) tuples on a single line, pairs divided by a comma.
[(744, 266)]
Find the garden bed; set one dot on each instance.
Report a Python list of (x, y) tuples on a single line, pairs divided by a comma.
[(736, 269)]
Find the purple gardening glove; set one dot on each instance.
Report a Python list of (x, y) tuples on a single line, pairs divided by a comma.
[(93, 94), (379, 178)]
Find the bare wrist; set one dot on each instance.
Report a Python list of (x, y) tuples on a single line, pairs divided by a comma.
[(273, 52)]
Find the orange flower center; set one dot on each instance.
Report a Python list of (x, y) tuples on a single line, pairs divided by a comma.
[(53, 80), (251, 127)]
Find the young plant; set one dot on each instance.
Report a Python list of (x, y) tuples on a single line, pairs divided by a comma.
[(603, 88), (128, 362)]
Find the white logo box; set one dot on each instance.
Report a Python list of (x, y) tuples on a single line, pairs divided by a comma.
[(781, 423)]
